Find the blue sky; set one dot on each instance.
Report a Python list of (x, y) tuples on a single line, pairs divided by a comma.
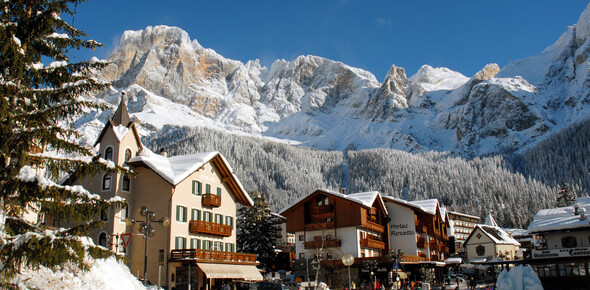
[(373, 35)]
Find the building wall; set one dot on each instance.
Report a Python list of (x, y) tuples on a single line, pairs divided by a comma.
[(475, 241), (402, 228), (554, 241), (348, 236)]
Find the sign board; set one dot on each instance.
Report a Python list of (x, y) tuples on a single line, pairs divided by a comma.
[(557, 253), (126, 238)]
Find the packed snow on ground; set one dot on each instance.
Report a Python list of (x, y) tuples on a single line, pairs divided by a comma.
[(519, 277), (103, 274)]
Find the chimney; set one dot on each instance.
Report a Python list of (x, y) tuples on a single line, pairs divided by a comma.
[(164, 152), (582, 213), (576, 207), (343, 190)]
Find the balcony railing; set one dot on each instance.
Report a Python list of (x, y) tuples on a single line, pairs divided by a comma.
[(212, 200), (421, 228), (374, 244), (319, 226), (322, 209), (202, 227), (213, 256), (322, 244), (374, 227), (411, 258)]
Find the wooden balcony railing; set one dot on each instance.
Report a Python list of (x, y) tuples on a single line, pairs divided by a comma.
[(320, 226), (411, 258), (322, 244), (374, 227), (421, 228), (373, 244), (212, 200), (202, 227), (322, 209), (432, 244), (213, 256)]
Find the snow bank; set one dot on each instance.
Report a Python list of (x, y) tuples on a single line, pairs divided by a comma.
[(519, 277), (103, 274)]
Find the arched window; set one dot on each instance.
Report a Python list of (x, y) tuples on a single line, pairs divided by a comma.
[(108, 153), (102, 239), (106, 182), (126, 182), (127, 154)]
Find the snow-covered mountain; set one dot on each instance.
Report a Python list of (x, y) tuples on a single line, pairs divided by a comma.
[(326, 104)]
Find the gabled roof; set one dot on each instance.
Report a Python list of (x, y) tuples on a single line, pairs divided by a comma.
[(121, 123), (177, 168), (428, 206), (562, 218), (496, 234), (365, 199)]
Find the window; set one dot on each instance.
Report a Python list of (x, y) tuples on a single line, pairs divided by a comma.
[(480, 250), (180, 243), (207, 245), (229, 221), (127, 154), (195, 244), (326, 201), (196, 214), (301, 238), (207, 216), (219, 191), (197, 188), (180, 213), (568, 242), (217, 246), (102, 239), (126, 182), (106, 182), (123, 213), (104, 214), (108, 153), (207, 188), (218, 218)]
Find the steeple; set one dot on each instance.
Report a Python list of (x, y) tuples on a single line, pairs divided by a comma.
[(121, 116), (490, 221)]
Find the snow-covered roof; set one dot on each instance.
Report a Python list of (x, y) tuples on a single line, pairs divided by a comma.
[(463, 214), (177, 168), (562, 218), (427, 206), (366, 199), (496, 234)]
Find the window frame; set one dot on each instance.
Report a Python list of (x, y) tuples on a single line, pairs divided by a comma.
[(104, 185), (184, 213), (106, 153)]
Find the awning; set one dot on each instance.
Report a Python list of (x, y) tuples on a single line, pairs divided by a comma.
[(229, 271), (402, 275)]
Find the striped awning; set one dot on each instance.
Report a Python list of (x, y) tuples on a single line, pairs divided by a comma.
[(229, 271)]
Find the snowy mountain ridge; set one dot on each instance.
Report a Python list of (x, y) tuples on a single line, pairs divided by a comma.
[(326, 104)]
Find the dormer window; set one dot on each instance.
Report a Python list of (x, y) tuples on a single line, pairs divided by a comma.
[(108, 153)]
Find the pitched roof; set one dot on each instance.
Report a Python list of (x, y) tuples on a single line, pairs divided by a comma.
[(121, 116), (366, 199), (427, 206), (490, 221), (121, 123), (496, 234), (561, 218), (177, 168)]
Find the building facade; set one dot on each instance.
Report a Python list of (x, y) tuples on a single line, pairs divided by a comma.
[(200, 195), (487, 242), (460, 226), (328, 225)]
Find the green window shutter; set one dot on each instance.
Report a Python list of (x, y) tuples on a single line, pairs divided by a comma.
[(197, 187), (219, 191), (176, 243), (178, 213), (198, 244), (192, 243), (210, 217), (200, 188), (184, 214), (207, 188), (194, 187)]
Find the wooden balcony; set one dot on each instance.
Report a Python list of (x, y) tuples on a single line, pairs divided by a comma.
[(211, 200), (202, 227), (213, 257), (373, 244), (421, 228), (319, 226), (321, 209), (420, 242), (374, 227), (318, 244), (412, 258), (432, 244)]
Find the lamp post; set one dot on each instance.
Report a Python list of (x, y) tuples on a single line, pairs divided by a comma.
[(348, 260), (147, 230)]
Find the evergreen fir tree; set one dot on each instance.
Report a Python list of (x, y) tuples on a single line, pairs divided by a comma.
[(255, 230), (565, 196), (41, 90)]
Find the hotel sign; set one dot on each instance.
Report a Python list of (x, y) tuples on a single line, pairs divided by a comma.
[(557, 253), (401, 230)]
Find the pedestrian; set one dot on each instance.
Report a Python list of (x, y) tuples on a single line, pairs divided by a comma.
[(353, 286)]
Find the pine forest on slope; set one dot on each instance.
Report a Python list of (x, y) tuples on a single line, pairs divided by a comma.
[(285, 173)]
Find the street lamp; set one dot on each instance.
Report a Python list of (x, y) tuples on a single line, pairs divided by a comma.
[(348, 260), (147, 230)]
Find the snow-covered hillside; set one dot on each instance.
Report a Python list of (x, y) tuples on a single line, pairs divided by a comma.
[(326, 104)]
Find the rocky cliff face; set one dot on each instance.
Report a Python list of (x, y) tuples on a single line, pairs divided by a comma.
[(329, 105)]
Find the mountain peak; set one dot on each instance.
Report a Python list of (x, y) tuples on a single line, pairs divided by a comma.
[(440, 78), (488, 72)]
